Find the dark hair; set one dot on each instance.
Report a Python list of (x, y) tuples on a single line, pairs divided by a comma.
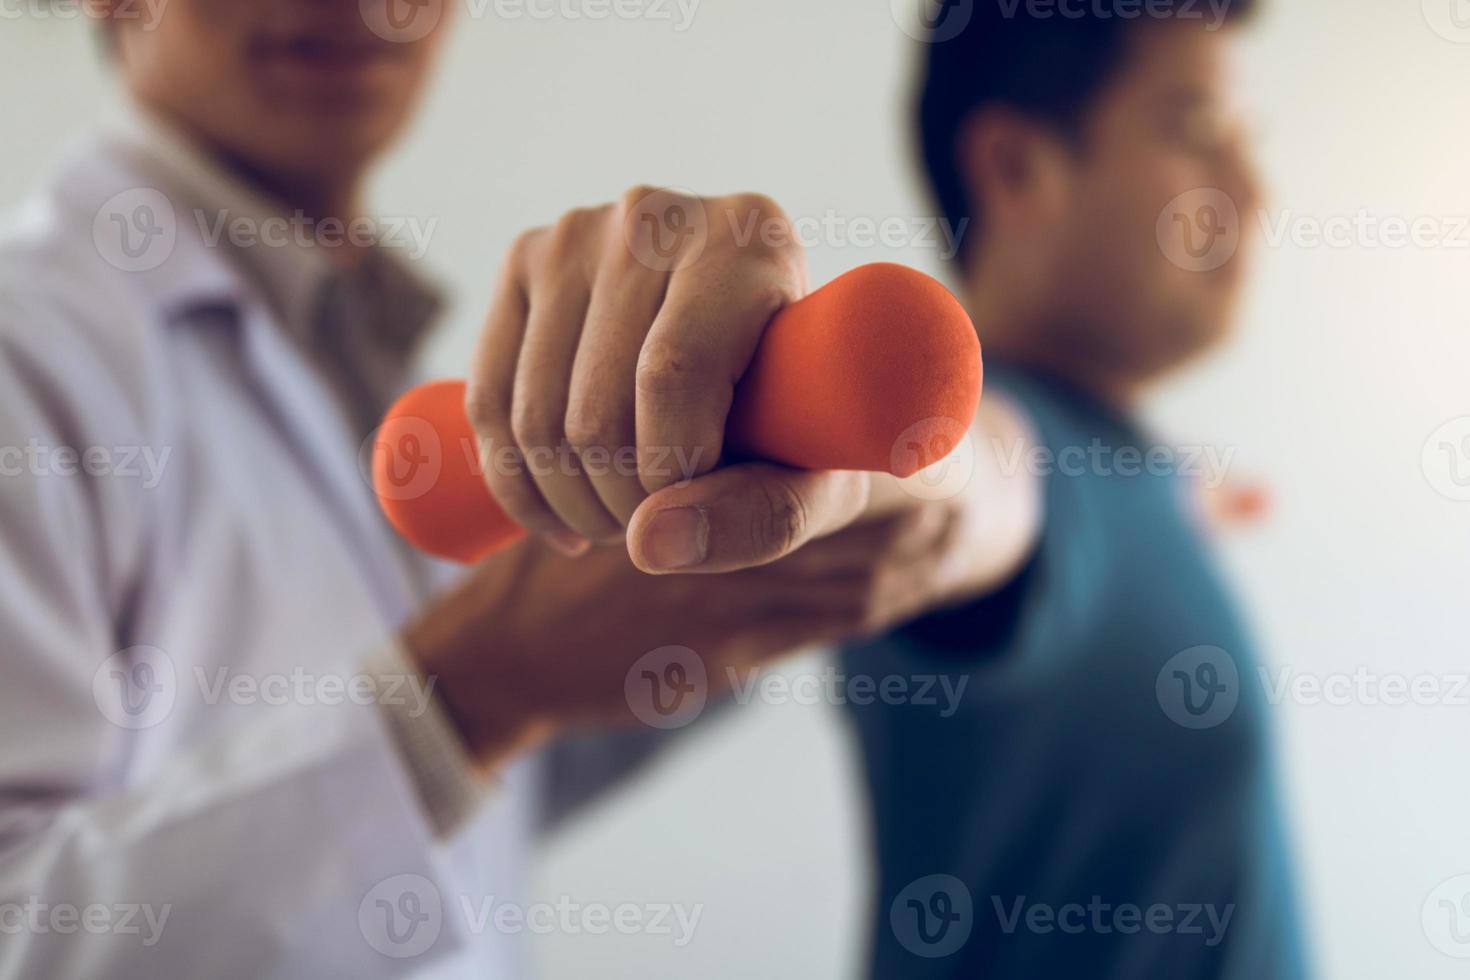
[(1046, 63)]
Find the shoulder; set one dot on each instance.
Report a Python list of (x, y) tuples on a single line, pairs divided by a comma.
[(92, 262)]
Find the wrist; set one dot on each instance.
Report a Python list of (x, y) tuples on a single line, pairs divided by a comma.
[(493, 723)]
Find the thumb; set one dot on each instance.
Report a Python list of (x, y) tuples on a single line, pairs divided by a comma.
[(742, 515)]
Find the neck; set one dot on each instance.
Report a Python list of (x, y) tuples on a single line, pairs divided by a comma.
[(316, 197), (1020, 326)]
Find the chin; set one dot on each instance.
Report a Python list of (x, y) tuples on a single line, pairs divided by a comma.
[(332, 146), (1192, 338)]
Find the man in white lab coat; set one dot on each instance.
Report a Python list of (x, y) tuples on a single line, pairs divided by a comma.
[(243, 730)]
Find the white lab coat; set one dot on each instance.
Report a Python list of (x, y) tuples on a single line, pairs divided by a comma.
[(271, 839)]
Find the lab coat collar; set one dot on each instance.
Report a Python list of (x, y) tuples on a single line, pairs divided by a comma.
[(139, 159)]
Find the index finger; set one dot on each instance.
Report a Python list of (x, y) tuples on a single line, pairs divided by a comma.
[(699, 346)]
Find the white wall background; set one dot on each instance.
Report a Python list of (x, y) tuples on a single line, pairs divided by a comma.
[(1349, 359)]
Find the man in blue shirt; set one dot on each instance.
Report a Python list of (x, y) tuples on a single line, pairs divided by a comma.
[(1100, 801)]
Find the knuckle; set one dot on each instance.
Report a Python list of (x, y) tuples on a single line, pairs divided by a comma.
[(572, 228), (781, 520), (666, 368), (485, 409), (587, 426), (753, 202), (534, 427), (631, 197), (773, 294), (523, 248)]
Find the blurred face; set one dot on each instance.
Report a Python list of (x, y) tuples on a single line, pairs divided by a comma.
[(300, 92), (1140, 235)]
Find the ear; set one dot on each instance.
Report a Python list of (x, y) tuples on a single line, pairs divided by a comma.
[(1015, 169)]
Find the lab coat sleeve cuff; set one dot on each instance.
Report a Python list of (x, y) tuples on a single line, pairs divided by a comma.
[(447, 784)]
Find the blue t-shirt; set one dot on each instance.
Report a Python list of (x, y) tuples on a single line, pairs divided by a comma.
[(1098, 799)]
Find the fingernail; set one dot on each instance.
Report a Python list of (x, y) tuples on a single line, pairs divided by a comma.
[(569, 544), (676, 538)]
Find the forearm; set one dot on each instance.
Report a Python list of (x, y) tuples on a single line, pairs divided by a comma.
[(985, 487)]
